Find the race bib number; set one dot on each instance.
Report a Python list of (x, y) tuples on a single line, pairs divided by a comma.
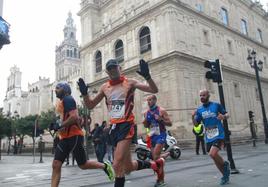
[(154, 130), (212, 132), (118, 109)]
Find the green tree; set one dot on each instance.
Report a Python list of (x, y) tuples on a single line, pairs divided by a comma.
[(5, 129)]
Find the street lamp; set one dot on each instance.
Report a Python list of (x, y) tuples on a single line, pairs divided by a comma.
[(258, 66)]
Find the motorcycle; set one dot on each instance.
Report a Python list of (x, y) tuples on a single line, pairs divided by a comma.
[(143, 152)]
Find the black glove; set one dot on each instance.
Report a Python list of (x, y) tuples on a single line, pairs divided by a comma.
[(144, 70), (82, 86)]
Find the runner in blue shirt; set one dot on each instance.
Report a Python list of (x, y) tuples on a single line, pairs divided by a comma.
[(211, 114)]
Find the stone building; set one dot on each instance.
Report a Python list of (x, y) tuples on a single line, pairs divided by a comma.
[(176, 37), (40, 95)]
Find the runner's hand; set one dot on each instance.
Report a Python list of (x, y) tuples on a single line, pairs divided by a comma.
[(82, 86), (221, 117), (144, 70)]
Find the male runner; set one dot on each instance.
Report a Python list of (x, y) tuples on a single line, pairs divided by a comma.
[(118, 92), (211, 114), (71, 137), (156, 118)]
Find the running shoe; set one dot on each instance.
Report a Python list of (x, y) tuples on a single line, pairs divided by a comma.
[(160, 184), (109, 170), (224, 180), (226, 169), (226, 173)]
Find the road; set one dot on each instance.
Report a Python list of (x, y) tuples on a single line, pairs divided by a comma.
[(189, 171)]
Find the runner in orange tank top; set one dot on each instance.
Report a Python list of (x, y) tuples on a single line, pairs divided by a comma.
[(71, 137), (118, 92)]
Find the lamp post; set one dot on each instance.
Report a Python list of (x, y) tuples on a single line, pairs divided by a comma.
[(258, 67)]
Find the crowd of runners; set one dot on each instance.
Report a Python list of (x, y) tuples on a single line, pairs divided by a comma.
[(118, 93)]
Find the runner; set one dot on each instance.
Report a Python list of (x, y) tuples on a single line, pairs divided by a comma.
[(156, 118), (119, 95), (211, 114), (71, 137)]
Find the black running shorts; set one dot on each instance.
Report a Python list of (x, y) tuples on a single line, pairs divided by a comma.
[(123, 131), (219, 143), (68, 145)]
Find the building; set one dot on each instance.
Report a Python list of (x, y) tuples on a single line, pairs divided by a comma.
[(176, 37), (40, 95)]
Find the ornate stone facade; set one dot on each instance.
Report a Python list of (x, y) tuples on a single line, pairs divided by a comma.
[(183, 34)]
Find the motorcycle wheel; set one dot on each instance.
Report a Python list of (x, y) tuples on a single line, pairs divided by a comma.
[(175, 153), (141, 155)]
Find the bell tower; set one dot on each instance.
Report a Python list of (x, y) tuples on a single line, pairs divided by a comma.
[(67, 62)]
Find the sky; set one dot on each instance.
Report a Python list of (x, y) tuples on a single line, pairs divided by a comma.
[(36, 29)]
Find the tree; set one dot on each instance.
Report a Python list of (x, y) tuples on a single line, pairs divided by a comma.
[(5, 129)]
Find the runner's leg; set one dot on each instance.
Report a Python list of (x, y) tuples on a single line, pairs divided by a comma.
[(218, 160), (56, 173)]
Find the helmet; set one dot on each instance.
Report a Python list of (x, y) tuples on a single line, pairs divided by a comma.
[(65, 86)]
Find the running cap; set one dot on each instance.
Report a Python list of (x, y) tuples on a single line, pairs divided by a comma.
[(111, 63), (65, 86)]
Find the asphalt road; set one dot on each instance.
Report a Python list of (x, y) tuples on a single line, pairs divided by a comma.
[(189, 171)]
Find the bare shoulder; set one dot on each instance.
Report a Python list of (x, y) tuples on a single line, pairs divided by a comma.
[(132, 82)]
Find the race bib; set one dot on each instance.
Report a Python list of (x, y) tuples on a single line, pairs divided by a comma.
[(118, 109), (212, 132), (154, 130)]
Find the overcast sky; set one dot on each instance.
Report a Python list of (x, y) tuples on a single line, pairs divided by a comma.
[(36, 29)]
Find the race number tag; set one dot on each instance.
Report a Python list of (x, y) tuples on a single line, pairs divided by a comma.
[(212, 132), (118, 109), (154, 130)]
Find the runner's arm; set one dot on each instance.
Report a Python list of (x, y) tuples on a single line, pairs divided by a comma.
[(91, 103), (150, 87), (73, 118), (164, 118), (145, 122)]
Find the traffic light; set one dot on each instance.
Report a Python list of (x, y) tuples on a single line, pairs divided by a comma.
[(215, 70), (251, 114), (4, 30)]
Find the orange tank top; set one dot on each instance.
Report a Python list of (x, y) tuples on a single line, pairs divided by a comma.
[(119, 101)]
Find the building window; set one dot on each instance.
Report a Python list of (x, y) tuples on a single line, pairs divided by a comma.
[(71, 53), (265, 61), (98, 62), (259, 35), (206, 37), (199, 7), (224, 16), (244, 28), (68, 53), (75, 53), (145, 40), (230, 47), (119, 51), (237, 89)]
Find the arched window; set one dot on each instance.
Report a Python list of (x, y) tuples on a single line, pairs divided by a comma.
[(119, 51), (224, 16), (98, 61), (145, 40)]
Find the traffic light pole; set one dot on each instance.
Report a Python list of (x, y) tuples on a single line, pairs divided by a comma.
[(265, 123), (227, 133)]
